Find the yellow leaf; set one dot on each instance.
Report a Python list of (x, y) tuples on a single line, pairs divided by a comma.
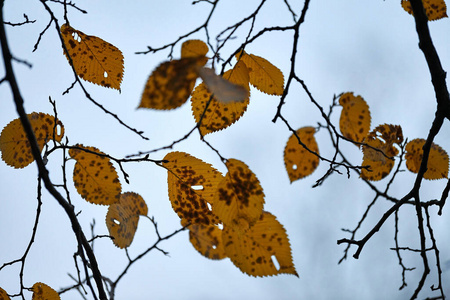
[(171, 83), (94, 59), (239, 199), (94, 176), (192, 184), (437, 166), (41, 291), (355, 117), (4, 295), (434, 9), (14, 145), (383, 137), (298, 161), (263, 75), (194, 48), (122, 218), (220, 115), (207, 240), (255, 251)]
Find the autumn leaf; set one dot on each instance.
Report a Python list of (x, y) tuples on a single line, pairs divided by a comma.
[(434, 9), (41, 291), (122, 218), (437, 166), (355, 117), (94, 59), (255, 251), (194, 48), (207, 240), (239, 199), (298, 161), (192, 184), (4, 295), (263, 75), (382, 138), (94, 176), (220, 115), (171, 83), (14, 145)]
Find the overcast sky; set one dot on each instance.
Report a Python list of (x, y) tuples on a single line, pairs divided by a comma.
[(368, 47)]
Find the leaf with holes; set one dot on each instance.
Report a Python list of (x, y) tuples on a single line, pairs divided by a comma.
[(355, 117), (14, 145), (434, 9), (192, 184), (207, 240), (220, 115), (94, 176), (4, 295), (171, 83), (122, 218), (93, 59), (194, 48), (41, 291), (239, 199), (263, 75), (437, 166), (298, 161), (264, 250), (380, 150)]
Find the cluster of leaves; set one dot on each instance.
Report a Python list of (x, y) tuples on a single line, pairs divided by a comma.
[(40, 290)]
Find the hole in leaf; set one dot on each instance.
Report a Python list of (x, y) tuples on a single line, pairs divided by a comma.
[(76, 37), (58, 130), (275, 262), (105, 75), (220, 226), (197, 187), (214, 246), (294, 167), (209, 206), (116, 221)]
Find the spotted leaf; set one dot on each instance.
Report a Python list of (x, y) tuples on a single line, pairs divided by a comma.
[(380, 151), (122, 218), (355, 117), (434, 9), (263, 75), (207, 240), (171, 83), (264, 250), (220, 115), (300, 162), (239, 199), (41, 291), (14, 145), (437, 166), (4, 295), (192, 184), (93, 59), (94, 176)]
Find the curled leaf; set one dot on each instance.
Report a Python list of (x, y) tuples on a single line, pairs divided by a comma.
[(298, 161), (354, 122), (14, 145), (41, 291), (94, 176), (194, 48), (437, 166), (94, 59), (434, 9)]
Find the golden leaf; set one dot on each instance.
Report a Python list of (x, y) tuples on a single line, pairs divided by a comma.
[(239, 199), (14, 145), (220, 115), (383, 137), (298, 161), (122, 218), (94, 59), (94, 176), (355, 117), (194, 48), (255, 251), (207, 240), (4, 295), (171, 83), (192, 184), (41, 291), (434, 9), (263, 75), (437, 166)]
